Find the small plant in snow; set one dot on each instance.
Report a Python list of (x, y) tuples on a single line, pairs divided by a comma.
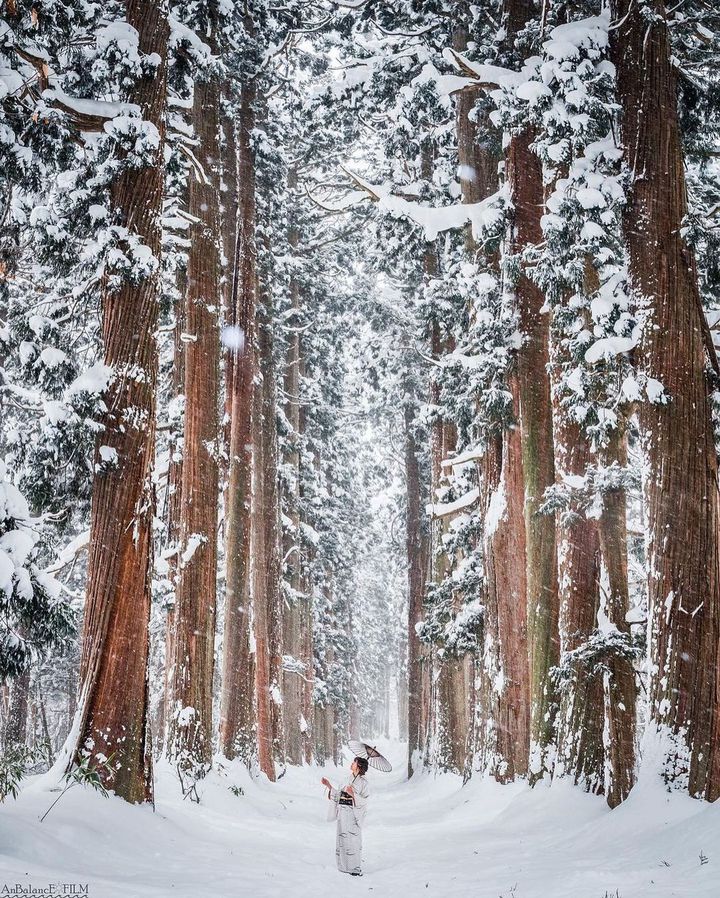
[(14, 761), (190, 772), (85, 773)]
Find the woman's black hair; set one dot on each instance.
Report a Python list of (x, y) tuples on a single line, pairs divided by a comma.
[(362, 765)]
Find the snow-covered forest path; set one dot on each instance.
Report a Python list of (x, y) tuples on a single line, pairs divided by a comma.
[(428, 837)]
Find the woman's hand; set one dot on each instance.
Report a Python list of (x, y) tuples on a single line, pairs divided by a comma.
[(326, 783), (350, 791)]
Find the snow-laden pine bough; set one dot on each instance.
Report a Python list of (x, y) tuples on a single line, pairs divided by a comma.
[(349, 805)]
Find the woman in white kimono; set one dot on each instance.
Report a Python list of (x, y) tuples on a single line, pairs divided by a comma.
[(349, 806)]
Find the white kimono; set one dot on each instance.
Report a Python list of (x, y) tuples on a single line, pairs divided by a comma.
[(348, 842)]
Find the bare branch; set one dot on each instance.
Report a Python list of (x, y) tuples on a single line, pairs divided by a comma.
[(331, 209), (363, 185), (418, 33)]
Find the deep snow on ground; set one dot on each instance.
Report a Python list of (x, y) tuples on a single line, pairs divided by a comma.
[(427, 837)]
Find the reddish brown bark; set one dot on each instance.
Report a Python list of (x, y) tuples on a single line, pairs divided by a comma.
[(237, 701), (524, 176), (449, 706), (16, 714), (173, 501), (293, 682), (306, 648), (505, 734), (293, 617), (272, 597), (306, 642), (449, 709), (330, 737), (113, 666), (260, 553), (477, 143), (231, 223), (329, 721), (681, 477), (320, 747), (478, 179), (596, 720), (503, 713), (581, 716), (416, 590), (191, 734), (324, 713), (620, 688), (271, 523)]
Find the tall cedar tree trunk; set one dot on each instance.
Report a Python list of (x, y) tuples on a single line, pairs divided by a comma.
[(619, 687), (231, 345), (270, 475), (45, 740), (323, 714), (596, 719), (260, 555), (524, 176), (16, 720), (320, 747), (467, 136), (292, 680), (323, 729), (230, 218), (449, 705), (503, 713), (306, 618), (114, 660), (449, 713), (581, 715), (230, 337), (271, 523), (402, 704), (329, 722), (353, 717), (416, 591), (173, 501), (191, 713), (681, 482), (452, 701), (237, 700)]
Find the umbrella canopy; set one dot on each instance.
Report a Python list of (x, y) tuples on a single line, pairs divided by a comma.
[(374, 758)]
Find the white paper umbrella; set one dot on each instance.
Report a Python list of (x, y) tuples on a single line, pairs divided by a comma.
[(374, 758)]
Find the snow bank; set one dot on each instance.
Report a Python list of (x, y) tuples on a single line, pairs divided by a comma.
[(427, 837)]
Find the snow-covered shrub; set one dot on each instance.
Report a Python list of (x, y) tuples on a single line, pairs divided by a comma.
[(33, 613)]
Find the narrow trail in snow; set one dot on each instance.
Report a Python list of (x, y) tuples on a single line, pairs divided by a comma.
[(427, 837)]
